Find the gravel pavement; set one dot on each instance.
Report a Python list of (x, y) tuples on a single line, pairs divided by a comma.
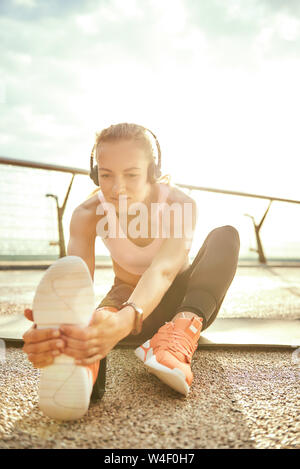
[(240, 398)]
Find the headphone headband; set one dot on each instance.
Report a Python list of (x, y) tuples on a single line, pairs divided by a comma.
[(157, 146)]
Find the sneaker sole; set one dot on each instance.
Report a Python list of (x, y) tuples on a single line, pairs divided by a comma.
[(64, 296), (64, 391), (175, 378)]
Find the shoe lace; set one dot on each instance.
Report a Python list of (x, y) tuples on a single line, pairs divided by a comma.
[(176, 340)]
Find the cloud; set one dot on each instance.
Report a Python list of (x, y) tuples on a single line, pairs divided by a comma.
[(236, 30), (25, 3), (189, 70), (34, 10), (278, 6)]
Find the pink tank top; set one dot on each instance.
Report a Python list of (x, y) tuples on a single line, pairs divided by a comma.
[(132, 258)]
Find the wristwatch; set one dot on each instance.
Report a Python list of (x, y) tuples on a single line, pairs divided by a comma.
[(138, 322)]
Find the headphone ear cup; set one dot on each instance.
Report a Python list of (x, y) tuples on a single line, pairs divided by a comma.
[(157, 171), (94, 175), (154, 172), (151, 173)]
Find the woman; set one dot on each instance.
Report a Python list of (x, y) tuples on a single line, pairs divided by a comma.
[(175, 300)]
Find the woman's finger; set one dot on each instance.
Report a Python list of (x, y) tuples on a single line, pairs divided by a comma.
[(41, 361), (34, 335), (80, 354), (90, 360), (45, 346), (28, 332), (80, 333), (80, 344)]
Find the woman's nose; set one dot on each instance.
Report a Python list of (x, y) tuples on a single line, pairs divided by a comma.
[(119, 188)]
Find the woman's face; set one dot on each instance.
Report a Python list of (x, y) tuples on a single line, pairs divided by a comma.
[(123, 171)]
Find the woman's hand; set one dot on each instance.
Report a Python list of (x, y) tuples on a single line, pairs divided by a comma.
[(41, 345), (90, 344)]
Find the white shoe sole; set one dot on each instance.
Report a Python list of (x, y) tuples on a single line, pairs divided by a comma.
[(175, 378), (64, 296)]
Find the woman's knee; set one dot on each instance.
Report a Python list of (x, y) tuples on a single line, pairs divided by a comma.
[(228, 234), (232, 230)]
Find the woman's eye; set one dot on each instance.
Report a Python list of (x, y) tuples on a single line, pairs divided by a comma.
[(109, 175)]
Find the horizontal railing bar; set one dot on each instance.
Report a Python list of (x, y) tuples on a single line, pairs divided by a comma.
[(69, 169), (38, 165), (243, 194)]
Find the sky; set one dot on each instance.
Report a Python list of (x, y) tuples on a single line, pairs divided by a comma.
[(217, 81)]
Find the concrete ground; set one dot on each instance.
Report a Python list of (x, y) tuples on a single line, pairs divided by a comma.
[(240, 398)]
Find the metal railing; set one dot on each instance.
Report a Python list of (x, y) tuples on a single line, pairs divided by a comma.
[(257, 227), (74, 171)]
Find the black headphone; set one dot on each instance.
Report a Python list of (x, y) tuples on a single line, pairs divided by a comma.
[(154, 170)]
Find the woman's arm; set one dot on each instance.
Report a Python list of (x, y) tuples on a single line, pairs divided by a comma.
[(82, 237), (160, 275), (155, 281)]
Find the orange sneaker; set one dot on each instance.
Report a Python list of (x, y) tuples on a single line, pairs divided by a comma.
[(65, 296), (168, 354)]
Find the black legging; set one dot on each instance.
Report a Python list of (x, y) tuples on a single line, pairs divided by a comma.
[(200, 289)]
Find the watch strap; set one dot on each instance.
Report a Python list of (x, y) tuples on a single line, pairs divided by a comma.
[(138, 321)]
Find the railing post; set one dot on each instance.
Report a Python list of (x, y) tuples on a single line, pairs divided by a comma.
[(259, 250), (60, 214)]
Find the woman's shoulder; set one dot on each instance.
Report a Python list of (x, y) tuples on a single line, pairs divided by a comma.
[(180, 213), (88, 208), (176, 195)]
